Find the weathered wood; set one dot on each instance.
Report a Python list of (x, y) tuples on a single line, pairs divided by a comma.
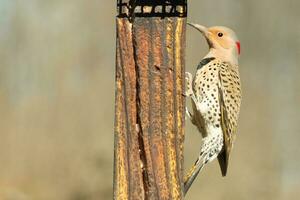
[(149, 111)]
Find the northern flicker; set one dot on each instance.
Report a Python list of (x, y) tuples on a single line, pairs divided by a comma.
[(215, 92)]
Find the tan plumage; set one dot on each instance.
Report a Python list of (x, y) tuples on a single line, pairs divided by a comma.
[(216, 97), (230, 101)]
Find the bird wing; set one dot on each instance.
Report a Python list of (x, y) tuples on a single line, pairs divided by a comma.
[(230, 100)]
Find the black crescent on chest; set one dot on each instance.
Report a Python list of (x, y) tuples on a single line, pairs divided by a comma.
[(204, 62)]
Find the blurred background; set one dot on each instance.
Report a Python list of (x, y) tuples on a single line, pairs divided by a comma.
[(57, 61)]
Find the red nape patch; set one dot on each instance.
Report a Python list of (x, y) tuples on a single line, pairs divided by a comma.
[(238, 45)]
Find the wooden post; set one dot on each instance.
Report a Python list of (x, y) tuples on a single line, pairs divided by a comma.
[(149, 102)]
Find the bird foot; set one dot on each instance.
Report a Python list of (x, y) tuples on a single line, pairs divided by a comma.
[(189, 89)]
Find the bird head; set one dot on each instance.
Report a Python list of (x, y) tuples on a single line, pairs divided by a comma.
[(222, 41)]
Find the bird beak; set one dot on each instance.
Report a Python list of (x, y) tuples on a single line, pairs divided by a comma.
[(205, 32), (200, 28)]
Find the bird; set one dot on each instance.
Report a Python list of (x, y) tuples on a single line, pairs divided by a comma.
[(215, 93)]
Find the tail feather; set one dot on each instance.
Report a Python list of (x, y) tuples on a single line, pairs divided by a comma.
[(192, 174), (223, 162)]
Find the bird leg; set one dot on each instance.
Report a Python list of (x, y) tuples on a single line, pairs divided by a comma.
[(189, 88), (189, 92)]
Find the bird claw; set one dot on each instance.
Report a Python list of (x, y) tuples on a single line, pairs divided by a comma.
[(189, 78)]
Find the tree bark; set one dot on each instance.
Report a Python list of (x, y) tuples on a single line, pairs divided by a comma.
[(149, 101)]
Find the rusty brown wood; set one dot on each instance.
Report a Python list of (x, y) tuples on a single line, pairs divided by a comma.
[(149, 106)]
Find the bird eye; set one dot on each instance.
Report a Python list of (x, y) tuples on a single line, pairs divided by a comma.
[(220, 34)]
